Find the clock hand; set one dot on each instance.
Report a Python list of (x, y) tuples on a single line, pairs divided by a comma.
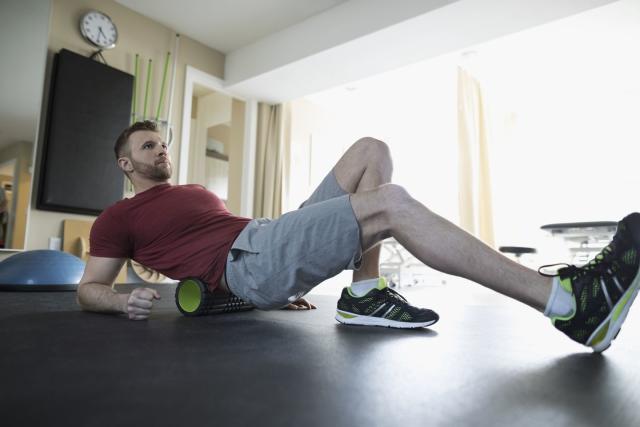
[(100, 32)]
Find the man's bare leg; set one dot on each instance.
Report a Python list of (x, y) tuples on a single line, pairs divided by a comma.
[(390, 211), (606, 287), (364, 166)]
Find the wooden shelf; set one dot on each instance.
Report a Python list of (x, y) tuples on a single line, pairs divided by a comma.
[(217, 155)]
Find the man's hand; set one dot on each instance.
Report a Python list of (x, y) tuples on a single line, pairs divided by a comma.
[(301, 304), (140, 302)]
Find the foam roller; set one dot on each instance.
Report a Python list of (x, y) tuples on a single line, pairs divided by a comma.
[(193, 298)]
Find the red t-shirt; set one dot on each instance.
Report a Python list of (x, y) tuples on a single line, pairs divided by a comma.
[(179, 230)]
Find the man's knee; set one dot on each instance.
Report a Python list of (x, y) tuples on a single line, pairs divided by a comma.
[(392, 199), (377, 211), (374, 150), (394, 194)]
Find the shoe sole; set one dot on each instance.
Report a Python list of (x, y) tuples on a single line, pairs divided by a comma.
[(612, 324), (353, 319)]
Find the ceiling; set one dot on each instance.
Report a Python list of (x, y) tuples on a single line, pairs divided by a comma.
[(279, 50), (241, 22)]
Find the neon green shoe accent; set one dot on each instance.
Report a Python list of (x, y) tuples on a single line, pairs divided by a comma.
[(345, 315), (189, 296), (568, 316), (621, 305), (600, 335), (382, 283), (566, 284)]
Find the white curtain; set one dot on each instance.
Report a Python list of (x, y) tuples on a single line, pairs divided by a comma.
[(271, 159), (474, 196)]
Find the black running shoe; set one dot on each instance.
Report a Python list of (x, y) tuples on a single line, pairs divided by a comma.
[(603, 289), (382, 306)]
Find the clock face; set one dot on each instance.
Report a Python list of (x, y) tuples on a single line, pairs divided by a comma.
[(99, 29)]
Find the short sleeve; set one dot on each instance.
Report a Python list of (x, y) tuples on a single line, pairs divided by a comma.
[(109, 237)]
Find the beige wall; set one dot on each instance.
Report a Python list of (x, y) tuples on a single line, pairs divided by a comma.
[(221, 133), (137, 34), (236, 154)]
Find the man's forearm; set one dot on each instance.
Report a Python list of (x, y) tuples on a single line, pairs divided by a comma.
[(101, 298)]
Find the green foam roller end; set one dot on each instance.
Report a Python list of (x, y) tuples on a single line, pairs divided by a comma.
[(189, 296), (193, 298)]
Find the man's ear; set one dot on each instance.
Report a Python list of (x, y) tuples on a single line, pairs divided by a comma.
[(125, 164)]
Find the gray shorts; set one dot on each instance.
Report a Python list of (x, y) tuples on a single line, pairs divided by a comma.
[(274, 262)]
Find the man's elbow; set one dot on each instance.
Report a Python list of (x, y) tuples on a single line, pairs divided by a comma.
[(79, 296), (82, 299)]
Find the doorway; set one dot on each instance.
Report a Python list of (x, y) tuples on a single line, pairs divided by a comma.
[(212, 128), (7, 184), (218, 141)]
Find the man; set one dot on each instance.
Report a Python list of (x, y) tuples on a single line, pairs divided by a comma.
[(186, 231)]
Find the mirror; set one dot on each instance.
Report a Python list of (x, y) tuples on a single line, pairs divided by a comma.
[(24, 29)]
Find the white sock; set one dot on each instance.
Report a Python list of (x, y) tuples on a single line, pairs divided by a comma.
[(361, 287), (561, 302)]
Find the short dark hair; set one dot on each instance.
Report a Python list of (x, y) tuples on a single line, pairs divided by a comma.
[(121, 142)]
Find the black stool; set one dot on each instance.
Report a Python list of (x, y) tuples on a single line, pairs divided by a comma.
[(516, 251)]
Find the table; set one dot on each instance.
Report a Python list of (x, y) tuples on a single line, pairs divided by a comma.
[(583, 239)]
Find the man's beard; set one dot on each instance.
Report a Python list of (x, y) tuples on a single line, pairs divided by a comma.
[(154, 172)]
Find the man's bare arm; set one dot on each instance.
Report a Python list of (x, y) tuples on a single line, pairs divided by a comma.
[(95, 292)]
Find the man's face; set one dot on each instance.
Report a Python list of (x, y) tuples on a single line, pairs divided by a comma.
[(149, 156)]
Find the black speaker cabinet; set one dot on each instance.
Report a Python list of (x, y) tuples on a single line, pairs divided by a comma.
[(89, 106)]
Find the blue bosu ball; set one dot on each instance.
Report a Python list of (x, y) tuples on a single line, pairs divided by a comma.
[(41, 270)]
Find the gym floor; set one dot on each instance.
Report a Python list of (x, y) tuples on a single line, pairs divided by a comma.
[(488, 362)]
